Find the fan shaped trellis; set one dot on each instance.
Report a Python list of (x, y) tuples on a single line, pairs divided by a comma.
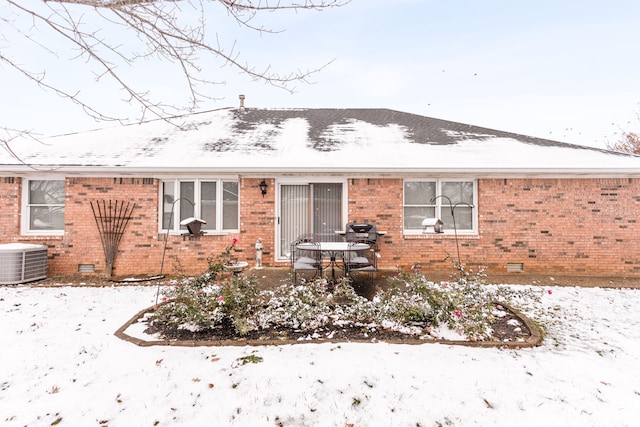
[(112, 218)]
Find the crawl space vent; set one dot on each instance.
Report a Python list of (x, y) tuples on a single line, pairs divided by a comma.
[(21, 263), (86, 268), (515, 267)]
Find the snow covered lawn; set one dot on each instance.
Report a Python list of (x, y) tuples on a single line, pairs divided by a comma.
[(60, 364)]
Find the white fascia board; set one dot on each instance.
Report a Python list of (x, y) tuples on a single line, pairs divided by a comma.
[(110, 171)]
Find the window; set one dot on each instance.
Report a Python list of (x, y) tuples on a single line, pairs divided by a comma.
[(434, 199), (44, 209), (213, 201)]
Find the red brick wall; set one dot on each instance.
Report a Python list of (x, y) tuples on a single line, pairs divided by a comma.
[(10, 197), (141, 249), (560, 226), (81, 242), (138, 251), (257, 220), (380, 202), (552, 226)]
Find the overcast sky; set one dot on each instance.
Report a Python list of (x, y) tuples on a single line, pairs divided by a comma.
[(563, 70)]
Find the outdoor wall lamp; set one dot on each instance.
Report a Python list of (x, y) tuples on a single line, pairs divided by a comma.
[(263, 187)]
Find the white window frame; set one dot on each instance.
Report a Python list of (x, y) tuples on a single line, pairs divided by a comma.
[(176, 228), (442, 203), (26, 208), (307, 181)]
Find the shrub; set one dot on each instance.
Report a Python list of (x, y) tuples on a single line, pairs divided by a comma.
[(239, 299), (466, 305), (192, 303), (302, 306), (204, 301), (411, 303)]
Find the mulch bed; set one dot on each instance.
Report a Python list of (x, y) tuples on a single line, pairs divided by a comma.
[(505, 334)]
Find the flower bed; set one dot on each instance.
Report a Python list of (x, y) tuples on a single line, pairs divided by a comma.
[(412, 309)]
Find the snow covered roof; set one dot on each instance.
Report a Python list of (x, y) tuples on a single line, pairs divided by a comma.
[(282, 141)]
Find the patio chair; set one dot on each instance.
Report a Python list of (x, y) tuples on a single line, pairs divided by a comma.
[(306, 259), (361, 261)]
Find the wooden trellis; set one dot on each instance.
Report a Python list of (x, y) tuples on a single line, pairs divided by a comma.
[(112, 218)]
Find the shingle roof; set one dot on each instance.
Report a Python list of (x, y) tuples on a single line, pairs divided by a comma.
[(419, 129), (312, 140)]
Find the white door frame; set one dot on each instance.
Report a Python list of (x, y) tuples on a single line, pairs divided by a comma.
[(279, 256)]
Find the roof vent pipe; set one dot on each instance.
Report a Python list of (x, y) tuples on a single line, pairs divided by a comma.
[(241, 102)]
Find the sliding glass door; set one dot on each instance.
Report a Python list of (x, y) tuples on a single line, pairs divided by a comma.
[(311, 208)]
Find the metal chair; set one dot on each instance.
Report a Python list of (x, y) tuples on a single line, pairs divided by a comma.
[(306, 259), (361, 261)]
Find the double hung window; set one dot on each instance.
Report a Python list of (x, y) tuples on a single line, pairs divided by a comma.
[(435, 199), (43, 212), (215, 201)]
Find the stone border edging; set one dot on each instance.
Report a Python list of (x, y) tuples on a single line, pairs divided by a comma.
[(534, 340)]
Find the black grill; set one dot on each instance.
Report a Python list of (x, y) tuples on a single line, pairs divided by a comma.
[(366, 232)]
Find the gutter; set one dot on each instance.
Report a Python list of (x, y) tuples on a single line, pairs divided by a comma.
[(123, 171)]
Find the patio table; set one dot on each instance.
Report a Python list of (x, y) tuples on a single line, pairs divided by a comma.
[(334, 250)]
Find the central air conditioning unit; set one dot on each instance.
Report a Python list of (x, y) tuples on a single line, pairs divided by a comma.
[(21, 263)]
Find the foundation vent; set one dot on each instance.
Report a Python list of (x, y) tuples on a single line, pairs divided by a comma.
[(515, 267), (86, 268)]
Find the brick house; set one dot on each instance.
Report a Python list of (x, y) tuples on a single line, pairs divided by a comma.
[(522, 203)]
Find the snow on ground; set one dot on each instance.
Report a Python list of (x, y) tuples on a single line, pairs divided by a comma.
[(60, 364)]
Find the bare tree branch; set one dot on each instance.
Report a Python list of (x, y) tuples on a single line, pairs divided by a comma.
[(628, 143), (165, 30), (7, 136)]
